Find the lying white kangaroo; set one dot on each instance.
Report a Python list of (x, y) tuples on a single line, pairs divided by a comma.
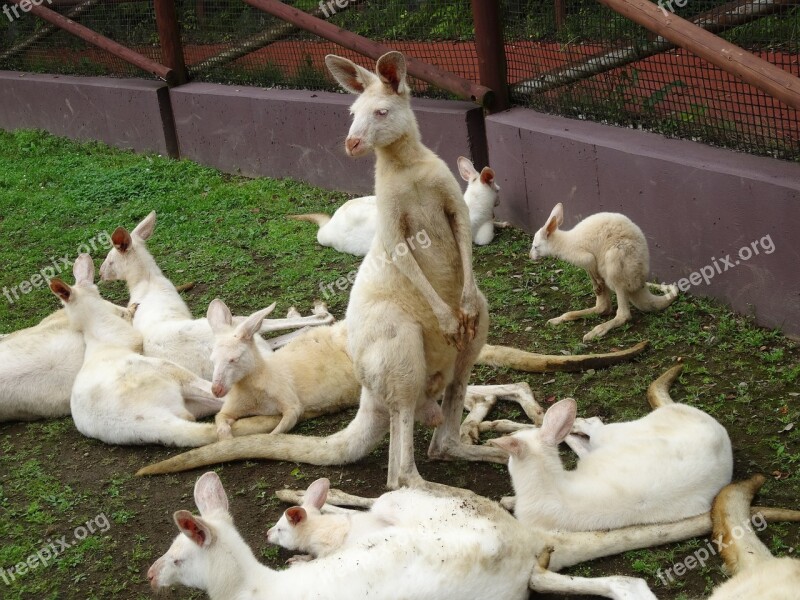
[(256, 381), (168, 329), (459, 548), (352, 227), (119, 396), (38, 366), (755, 572), (664, 467), (614, 252)]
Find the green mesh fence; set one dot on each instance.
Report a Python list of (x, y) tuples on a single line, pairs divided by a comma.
[(569, 57)]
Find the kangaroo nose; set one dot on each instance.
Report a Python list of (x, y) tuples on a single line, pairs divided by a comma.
[(218, 390), (352, 145)]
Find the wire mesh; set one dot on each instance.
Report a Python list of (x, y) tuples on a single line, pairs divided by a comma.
[(580, 59), (575, 58)]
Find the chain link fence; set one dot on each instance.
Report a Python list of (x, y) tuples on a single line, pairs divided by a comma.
[(570, 57)]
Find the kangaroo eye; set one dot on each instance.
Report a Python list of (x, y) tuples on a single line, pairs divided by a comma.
[(381, 112)]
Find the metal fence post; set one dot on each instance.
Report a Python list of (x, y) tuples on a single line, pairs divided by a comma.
[(489, 45), (170, 39)]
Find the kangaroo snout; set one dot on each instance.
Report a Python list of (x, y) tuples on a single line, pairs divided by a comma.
[(354, 146), (218, 390)]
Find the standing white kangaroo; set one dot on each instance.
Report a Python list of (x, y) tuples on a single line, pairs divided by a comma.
[(755, 572), (458, 548), (666, 466), (119, 396), (38, 366), (613, 251), (352, 227), (168, 328)]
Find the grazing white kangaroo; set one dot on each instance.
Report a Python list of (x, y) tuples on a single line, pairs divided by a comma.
[(613, 251), (459, 548), (664, 467), (755, 572), (119, 396), (38, 366), (352, 227), (168, 329)]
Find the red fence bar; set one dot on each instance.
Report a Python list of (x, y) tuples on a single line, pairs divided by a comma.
[(447, 81), (170, 39), (101, 41), (731, 58), (491, 51)]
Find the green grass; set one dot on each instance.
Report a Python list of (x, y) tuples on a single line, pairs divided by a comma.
[(230, 236)]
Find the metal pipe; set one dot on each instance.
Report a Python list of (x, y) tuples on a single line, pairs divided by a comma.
[(490, 48)]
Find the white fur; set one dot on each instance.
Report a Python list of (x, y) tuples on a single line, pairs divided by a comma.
[(168, 329), (120, 397), (38, 366), (666, 466), (464, 550), (613, 251), (352, 227)]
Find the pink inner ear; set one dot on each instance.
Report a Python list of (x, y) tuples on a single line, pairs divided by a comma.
[(487, 176), (191, 528), (121, 239), (295, 515)]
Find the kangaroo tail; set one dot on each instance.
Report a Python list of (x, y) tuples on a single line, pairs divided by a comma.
[(739, 546), (505, 356), (318, 218), (355, 441), (658, 391), (573, 547), (646, 301)]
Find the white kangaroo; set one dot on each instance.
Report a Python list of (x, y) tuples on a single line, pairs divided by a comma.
[(755, 572), (38, 366), (305, 529), (168, 329), (459, 548), (119, 396), (352, 227), (613, 251), (661, 468)]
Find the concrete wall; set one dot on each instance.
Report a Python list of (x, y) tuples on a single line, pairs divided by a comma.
[(300, 134), (698, 205), (127, 113)]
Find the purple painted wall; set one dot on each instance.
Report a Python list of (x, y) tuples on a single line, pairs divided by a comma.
[(697, 205), (126, 113), (300, 134)]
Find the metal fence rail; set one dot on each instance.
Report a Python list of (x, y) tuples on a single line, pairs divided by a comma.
[(576, 58)]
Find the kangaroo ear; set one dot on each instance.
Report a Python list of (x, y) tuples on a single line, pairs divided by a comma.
[(487, 176), (194, 528), (83, 270), (219, 315), (466, 169), (209, 495), (391, 68), (252, 325), (317, 493), (511, 444), (61, 289), (555, 219), (121, 239), (295, 515), (558, 421), (350, 76), (145, 229)]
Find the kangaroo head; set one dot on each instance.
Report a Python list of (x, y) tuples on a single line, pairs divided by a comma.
[(126, 255), (541, 241), (81, 299), (287, 531), (235, 354), (382, 112), (480, 186), (191, 557)]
